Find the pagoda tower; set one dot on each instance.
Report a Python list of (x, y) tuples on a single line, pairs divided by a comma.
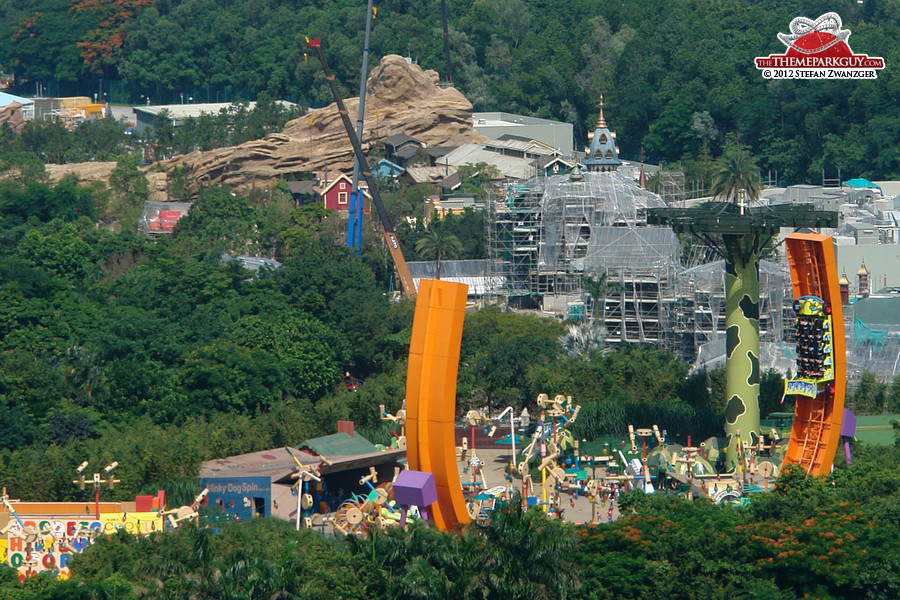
[(862, 281), (602, 154)]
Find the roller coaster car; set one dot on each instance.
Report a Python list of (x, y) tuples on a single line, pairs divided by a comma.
[(815, 358), (812, 306)]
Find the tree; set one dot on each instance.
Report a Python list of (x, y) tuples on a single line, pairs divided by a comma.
[(598, 289), (582, 340), (162, 133), (525, 556), (129, 182), (869, 395), (736, 174), (438, 244)]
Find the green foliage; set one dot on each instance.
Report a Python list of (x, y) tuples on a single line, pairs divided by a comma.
[(810, 537), (467, 228), (870, 394), (736, 174), (518, 56), (53, 142), (129, 182), (437, 244), (498, 349)]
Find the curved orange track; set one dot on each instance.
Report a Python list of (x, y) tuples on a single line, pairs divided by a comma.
[(816, 432), (431, 394)]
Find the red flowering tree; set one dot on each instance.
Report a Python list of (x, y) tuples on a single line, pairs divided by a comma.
[(100, 45)]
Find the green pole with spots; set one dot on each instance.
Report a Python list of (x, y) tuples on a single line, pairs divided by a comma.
[(738, 234), (742, 345)]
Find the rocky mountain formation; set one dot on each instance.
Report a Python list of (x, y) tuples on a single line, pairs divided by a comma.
[(401, 98)]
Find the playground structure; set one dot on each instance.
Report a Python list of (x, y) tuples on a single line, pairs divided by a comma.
[(189, 512), (357, 515)]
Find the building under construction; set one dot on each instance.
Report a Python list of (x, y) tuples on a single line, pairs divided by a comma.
[(546, 235)]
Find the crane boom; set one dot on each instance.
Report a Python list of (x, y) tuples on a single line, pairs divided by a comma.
[(406, 280), (449, 75)]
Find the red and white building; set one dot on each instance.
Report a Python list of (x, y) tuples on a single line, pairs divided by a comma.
[(336, 194)]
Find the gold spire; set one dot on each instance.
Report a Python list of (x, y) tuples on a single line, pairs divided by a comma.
[(601, 122), (843, 280), (863, 270)]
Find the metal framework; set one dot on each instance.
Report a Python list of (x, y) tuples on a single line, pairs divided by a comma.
[(545, 235)]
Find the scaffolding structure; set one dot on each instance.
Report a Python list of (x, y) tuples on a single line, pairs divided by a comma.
[(871, 347), (546, 235), (700, 309), (672, 188)]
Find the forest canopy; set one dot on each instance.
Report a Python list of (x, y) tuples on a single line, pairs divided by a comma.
[(678, 78)]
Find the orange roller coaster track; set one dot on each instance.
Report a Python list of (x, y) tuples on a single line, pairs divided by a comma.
[(816, 430), (431, 394)]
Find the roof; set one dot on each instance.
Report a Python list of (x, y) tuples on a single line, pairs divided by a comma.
[(509, 166), (183, 111), (458, 202), (149, 222), (878, 310), (429, 174), (509, 136), (339, 444), (385, 168), (278, 465), (302, 187), (398, 140), (544, 161), (450, 183), (520, 144), (474, 273), (407, 151), (6, 99), (859, 182), (888, 188), (482, 119), (275, 463), (439, 151)]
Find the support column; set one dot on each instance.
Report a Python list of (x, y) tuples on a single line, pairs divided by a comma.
[(742, 345)]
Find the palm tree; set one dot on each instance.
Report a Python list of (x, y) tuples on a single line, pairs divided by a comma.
[(438, 244), (598, 289), (583, 340), (524, 556), (736, 172)]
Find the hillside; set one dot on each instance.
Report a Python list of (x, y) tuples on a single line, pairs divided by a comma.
[(678, 78), (400, 98)]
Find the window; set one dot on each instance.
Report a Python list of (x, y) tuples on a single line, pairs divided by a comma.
[(343, 185), (342, 197)]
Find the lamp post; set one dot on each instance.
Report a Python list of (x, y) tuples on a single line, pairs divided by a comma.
[(512, 434), (97, 481)]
